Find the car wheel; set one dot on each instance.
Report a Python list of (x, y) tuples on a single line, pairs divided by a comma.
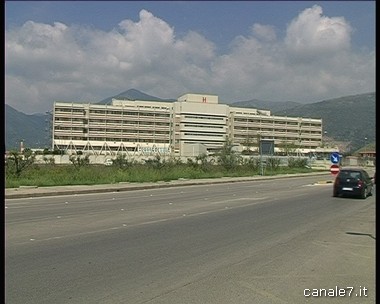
[(364, 193), (335, 193)]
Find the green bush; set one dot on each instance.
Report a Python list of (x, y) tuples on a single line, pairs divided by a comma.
[(297, 162)]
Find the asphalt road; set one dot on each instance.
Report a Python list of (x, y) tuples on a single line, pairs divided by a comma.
[(268, 241)]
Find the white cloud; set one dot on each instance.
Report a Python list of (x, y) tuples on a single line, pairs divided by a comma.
[(265, 32), (312, 33), (313, 62)]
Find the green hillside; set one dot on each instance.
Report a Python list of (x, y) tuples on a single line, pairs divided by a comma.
[(349, 119), (273, 106), (33, 129)]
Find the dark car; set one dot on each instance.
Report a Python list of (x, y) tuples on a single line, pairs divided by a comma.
[(353, 182)]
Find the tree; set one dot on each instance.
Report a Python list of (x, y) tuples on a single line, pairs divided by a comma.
[(156, 162), (79, 161), (49, 160), (288, 148), (248, 143), (205, 162), (273, 162), (17, 162), (122, 162), (227, 156)]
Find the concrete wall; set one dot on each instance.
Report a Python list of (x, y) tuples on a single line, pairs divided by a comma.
[(194, 150)]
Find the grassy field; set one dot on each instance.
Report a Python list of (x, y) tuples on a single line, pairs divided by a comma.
[(55, 175)]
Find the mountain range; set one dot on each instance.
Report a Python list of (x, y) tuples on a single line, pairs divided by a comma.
[(349, 120), (133, 94)]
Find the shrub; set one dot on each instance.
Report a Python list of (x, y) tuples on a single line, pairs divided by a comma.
[(122, 162), (273, 162), (19, 162), (79, 161), (297, 162)]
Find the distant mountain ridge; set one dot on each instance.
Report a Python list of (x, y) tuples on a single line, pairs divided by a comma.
[(132, 94), (32, 129), (349, 119), (273, 106)]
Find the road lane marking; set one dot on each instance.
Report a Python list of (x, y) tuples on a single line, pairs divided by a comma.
[(123, 226), (239, 199)]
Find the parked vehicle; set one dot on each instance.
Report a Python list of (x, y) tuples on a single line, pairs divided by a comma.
[(353, 182)]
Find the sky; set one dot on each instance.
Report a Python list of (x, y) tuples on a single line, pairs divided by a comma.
[(86, 51)]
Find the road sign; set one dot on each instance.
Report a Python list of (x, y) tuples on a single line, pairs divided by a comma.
[(334, 157), (334, 169)]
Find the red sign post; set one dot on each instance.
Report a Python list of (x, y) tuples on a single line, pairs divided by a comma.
[(334, 169)]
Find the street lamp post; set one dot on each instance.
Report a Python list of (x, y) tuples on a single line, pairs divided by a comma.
[(324, 138), (324, 141)]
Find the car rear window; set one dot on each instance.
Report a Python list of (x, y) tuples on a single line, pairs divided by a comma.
[(350, 174)]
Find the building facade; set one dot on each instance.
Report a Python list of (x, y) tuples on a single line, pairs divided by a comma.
[(137, 127)]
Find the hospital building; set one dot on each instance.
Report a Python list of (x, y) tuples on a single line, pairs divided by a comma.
[(193, 124)]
